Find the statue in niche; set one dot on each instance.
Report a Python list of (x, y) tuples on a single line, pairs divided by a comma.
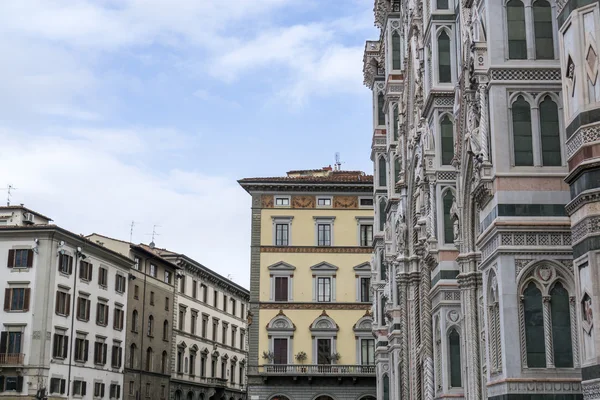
[(401, 231), (472, 134), (455, 219), (426, 135)]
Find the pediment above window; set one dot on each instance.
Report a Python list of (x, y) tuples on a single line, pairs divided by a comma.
[(364, 267), (182, 344), (281, 266), (324, 323), (363, 325), (281, 323), (324, 266)]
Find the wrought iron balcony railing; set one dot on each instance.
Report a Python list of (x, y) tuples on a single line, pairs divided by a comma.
[(318, 369), (11, 358)]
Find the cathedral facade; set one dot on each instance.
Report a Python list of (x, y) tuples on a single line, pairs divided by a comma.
[(486, 184)]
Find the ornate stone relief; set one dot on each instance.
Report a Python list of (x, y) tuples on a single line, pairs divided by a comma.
[(303, 201), (267, 201)]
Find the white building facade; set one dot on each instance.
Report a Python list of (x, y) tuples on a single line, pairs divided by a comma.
[(63, 320)]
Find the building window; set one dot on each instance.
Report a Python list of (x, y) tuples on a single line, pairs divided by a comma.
[(98, 389), (165, 330), (517, 42), (243, 311), (380, 109), (282, 201), (60, 345), (224, 302), (282, 231), (194, 322), (120, 284), (233, 307), (102, 314), (182, 284), (324, 201), (153, 270), (224, 329), (151, 298), (149, 356), (215, 298), (192, 363), (115, 391), (194, 289), (550, 127), (280, 351), (168, 277), (181, 319), (203, 366), (542, 25), (561, 327), (79, 388), (534, 327), (20, 258), (204, 293), (100, 350), (365, 290), (16, 299), (382, 171), (324, 234), (167, 304), (367, 351), (396, 51), (215, 327), (233, 335), (204, 326), (366, 202), (447, 202), (242, 339), (63, 303), (65, 264), (118, 319), (164, 363), (323, 289), (151, 326), (442, 4), (382, 267), (103, 277), (281, 288), (136, 292), (134, 321), (10, 346), (116, 356), (455, 368), (396, 122), (83, 308), (447, 132), (366, 235), (132, 356), (386, 387), (523, 144), (179, 360), (324, 350), (136, 263), (444, 68), (85, 271), (57, 385)]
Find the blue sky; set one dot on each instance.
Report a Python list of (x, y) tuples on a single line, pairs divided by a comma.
[(150, 110)]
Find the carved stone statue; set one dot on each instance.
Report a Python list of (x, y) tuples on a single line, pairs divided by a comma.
[(455, 219), (472, 135), (401, 231)]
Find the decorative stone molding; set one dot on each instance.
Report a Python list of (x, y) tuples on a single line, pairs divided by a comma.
[(589, 226), (522, 74), (582, 137)]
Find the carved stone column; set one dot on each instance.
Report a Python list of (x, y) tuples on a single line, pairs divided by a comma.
[(431, 215), (403, 281), (574, 337), (548, 332), (483, 121), (427, 339), (468, 283), (415, 340)]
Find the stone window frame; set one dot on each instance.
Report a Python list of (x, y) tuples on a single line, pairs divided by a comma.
[(362, 270), (281, 327), (366, 207), (441, 224), (282, 220), (529, 31), (536, 132), (321, 332), (493, 328), (437, 29), (324, 220), (288, 197), (363, 329), (281, 269), (558, 274), (438, 124), (360, 221), (454, 327), (324, 269)]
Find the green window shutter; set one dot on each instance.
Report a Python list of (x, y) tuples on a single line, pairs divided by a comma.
[(447, 133), (517, 42), (561, 327), (444, 69), (534, 327), (447, 200), (550, 136), (544, 34), (523, 145), (396, 52), (455, 367)]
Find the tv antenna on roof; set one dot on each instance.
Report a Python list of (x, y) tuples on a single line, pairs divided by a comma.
[(131, 232), (338, 163), (152, 244), (8, 189)]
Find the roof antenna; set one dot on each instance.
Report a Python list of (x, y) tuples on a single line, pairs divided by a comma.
[(338, 163), (152, 244), (8, 189), (131, 232)]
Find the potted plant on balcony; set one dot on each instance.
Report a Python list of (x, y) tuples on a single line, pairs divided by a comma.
[(269, 356), (334, 358), (301, 357)]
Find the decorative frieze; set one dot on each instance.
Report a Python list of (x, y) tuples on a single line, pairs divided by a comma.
[(523, 74), (581, 138)]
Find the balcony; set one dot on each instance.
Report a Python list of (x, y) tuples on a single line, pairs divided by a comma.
[(11, 359), (318, 369), (218, 382)]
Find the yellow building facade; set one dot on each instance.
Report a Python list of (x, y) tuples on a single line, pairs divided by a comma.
[(310, 302)]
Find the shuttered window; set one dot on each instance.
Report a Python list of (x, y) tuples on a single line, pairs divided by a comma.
[(85, 271), (65, 264), (60, 345), (83, 309), (281, 288), (20, 258), (102, 314), (63, 303), (280, 351), (16, 299), (81, 349), (118, 319), (100, 350)]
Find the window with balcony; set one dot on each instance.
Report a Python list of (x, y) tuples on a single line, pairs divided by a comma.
[(280, 351), (367, 351), (16, 299), (10, 347)]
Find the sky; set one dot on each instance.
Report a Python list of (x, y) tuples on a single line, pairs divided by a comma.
[(113, 111)]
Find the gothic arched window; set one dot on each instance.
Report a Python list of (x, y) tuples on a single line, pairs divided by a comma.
[(447, 201), (386, 387), (523, 144), (149, 359), (380, 110), (517, 41), (447, 133), (550, 136), (164, 363), (134, 321), (382, 216), (151, 326), (166, 330), (397, 169), (381, 166), (444, 69), (455, 367), (542, 25), (534, 326), (132, 360), (396, 64), (561, 327)]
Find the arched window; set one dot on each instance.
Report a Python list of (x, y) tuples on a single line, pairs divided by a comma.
[(444, 70), (561, 327), (550, 137), (386, 387), (517, 42), (151, 326), (382, 216), (190, 396), (382, 171), (396, 64), (164, 363), (447, 131), (132, 356), (455, 368), (447, 201), (166, 330), (395, 127), (442, 4), (542, 25), (134, 321), (534, 326), (523, 145), (178, 395), (149, 359), (380, 110)]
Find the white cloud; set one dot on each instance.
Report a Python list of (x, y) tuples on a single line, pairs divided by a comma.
[(88, 188)]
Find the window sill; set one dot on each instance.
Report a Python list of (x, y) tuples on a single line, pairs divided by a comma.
[(65, 274), (17, 311), (62, 315), (105, 287), (117, 329), (101, 324), (83, 319)]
